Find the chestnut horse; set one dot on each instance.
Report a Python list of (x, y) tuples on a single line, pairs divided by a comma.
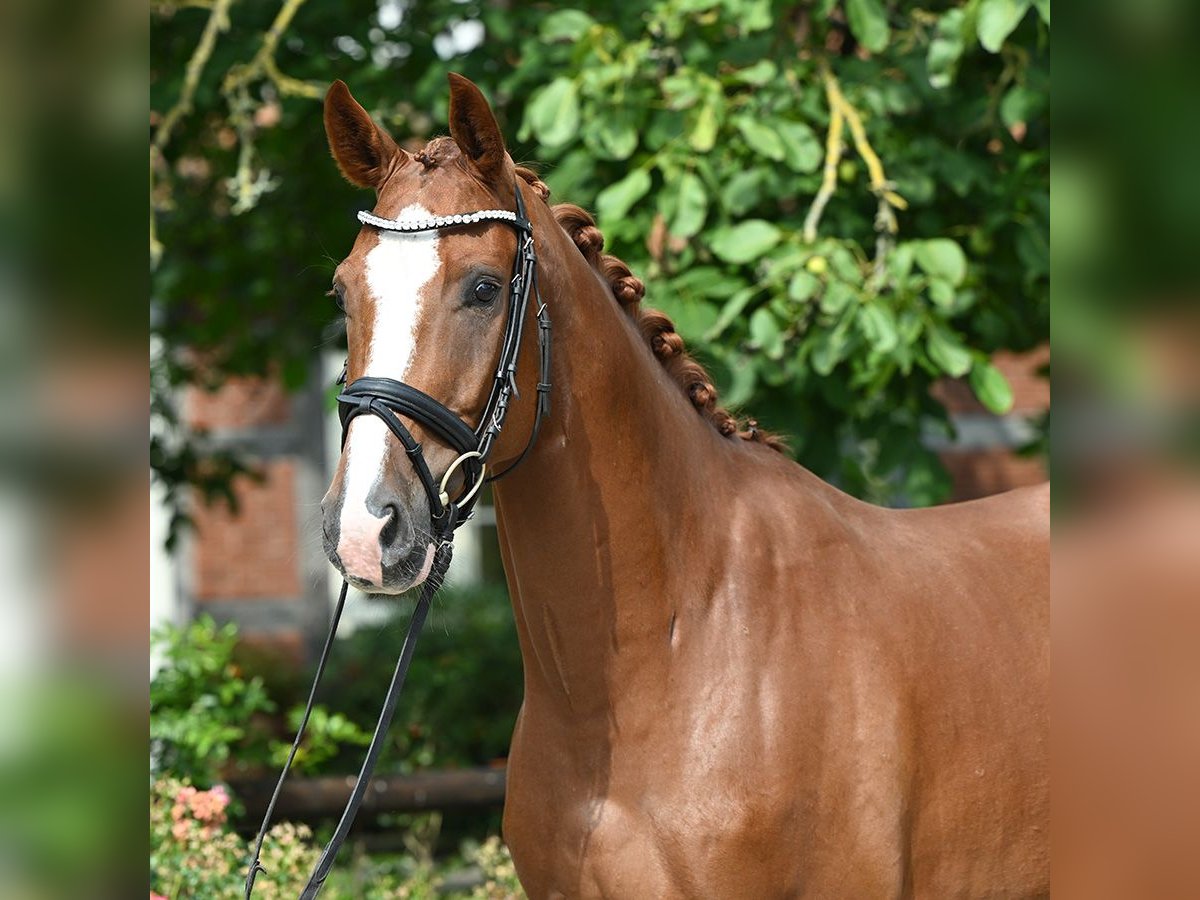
[(739, 681)]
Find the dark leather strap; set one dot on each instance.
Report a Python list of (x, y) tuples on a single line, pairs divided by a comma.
[(416, 623), (389, 400), (441, 562), (406, 400), (256, 866)]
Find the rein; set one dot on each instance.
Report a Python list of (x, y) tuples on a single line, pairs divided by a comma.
[(389, 400)]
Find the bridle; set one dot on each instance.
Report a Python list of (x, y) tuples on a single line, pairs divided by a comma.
[(389, 400)]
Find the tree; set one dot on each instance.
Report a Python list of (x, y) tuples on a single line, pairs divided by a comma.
[(838, 201)]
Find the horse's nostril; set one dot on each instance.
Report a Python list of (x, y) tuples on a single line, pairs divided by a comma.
[(387, 534)]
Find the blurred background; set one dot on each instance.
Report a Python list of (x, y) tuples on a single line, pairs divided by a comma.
[(843, 205), (889, 312)]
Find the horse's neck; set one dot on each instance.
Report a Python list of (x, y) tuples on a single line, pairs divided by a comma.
[(621, 476)]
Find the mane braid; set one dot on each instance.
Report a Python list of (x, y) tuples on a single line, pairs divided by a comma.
[(657, 330)]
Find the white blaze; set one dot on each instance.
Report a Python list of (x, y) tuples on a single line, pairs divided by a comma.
[(399, 269)]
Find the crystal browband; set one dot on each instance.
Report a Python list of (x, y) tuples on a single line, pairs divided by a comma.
[(435, 222)]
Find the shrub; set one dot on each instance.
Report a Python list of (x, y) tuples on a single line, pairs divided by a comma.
[(499, 873), (462, 693), (200, 702), (194, 854)]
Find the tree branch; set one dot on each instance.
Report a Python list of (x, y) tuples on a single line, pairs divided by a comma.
[(842, 111), (218, 21)]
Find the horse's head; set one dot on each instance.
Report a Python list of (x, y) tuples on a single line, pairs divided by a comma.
[(426, 308)]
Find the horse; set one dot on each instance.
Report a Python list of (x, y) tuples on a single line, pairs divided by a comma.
[(739, 681)]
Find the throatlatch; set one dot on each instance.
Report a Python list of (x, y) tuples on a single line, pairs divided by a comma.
[(390, 400)]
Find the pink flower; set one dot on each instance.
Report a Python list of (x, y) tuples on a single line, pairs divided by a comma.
[(221, 795), (210, 805), (180, 829), (154, 896)]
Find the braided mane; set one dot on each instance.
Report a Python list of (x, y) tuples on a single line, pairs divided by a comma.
[(658, 330)]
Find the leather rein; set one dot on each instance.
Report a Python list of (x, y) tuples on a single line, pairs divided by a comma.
[(390, 400)]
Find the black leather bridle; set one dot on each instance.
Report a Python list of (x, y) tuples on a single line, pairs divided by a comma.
[(390, 400)]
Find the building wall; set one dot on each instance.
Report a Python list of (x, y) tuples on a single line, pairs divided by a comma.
[(262, 565)]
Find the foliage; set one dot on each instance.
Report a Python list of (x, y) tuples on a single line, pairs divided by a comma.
[(463, 690), (838, 202), (499, 873), (207, 714), (195, 854), (202, 705), (324, 738), (66, 780)]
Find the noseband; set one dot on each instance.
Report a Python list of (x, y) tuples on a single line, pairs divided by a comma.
[(390, 400)]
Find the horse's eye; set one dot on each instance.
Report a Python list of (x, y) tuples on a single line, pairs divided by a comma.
[(338, 297), (486, 292)]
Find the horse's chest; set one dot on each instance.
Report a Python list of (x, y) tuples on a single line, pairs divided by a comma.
[(643, 821)]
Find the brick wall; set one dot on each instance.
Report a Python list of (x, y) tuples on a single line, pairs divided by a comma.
[(252, 553), (262, 566)]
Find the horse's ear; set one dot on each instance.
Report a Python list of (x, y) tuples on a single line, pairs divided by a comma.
[(363, 151), (474, 128)]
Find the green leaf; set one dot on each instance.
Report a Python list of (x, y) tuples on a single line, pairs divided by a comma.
[(692, 206), (707, 281), (743, 191), (752, 15), (947, 352), (566, 25), (941, 293), (991, 387), (837, 298), (693, 318), (553, 114), (761, 138), (745, 241), (731, 310), (997, 20), (758, 74), (802, 149), (743, 377), (845, 266), (618, 198), (616, 134), (829, 348), (1043, 8), (682, 90), (942, 258), (765, 331), (946, 49), (803, 286), (900, 263), (868, 22), (878, 326), (703, 135), (1020, 104)]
